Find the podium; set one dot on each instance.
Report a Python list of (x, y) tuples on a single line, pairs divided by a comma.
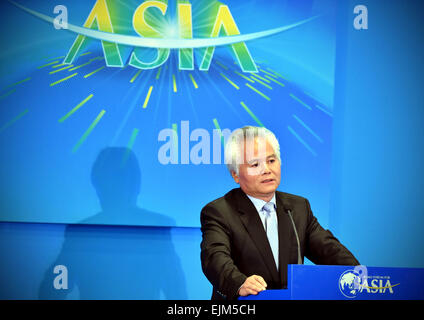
[(321, 282)]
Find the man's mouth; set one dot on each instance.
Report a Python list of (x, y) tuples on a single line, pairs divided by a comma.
[(268, 180)]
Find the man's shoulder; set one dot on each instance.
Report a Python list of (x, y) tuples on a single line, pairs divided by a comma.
[(290, 197), (235, 195), (298, 205), (229, 199)]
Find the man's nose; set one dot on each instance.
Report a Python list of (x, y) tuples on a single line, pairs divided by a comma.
[(265, 168)]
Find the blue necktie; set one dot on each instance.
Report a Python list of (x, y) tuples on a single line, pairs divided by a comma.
[(271, 228)]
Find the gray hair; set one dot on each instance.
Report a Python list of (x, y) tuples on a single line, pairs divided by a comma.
[(234, 150)]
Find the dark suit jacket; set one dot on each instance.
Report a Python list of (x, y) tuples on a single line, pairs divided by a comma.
[(235, 246)]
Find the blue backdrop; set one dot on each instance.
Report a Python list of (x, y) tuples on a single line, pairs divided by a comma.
[(57, 118), (375, 207)]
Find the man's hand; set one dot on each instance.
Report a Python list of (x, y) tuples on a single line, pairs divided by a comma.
[(253, 285)]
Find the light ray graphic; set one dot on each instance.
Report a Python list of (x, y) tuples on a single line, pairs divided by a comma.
[(56, 58), (88, 131), (174, 83), (308, 128), (16, 83), (268, 73), (58, 70), (277, 74), (133, 137), (93, 72), (7, 94), (194, 81), (220, 64), (300, 101), (64, 79), (276, 81), (185, 84), (261, 82), (58, 65), (80, 66), (158, 73), (301, 141), (86, 63), (258, 92), (12, 121), (244, 77), (231, 82), (175, 139), (48, 64), (169, 43), (160, 87), (129, 146), (171, 87), (79, 105), (212, 88), (135, 76), (131, 99), (251, 114), (146, 101), (323, 110), (217, 127), (259, 77)]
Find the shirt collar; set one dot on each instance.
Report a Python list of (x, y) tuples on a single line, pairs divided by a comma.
[(259, 203)]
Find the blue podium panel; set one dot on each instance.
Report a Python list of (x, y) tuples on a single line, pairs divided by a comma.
[(348, 283)]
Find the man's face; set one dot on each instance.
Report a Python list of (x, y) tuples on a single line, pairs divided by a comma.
[(260, 172)]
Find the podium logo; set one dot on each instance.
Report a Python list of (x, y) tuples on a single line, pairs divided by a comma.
[(347, 283), (357, 281)]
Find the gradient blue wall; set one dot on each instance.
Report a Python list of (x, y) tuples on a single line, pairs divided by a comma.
[(376, 195), (377, 191)]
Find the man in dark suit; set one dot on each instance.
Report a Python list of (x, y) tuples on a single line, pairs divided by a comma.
[(252, 233)]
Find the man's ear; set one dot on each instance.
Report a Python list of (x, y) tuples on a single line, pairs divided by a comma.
[(235, 176)]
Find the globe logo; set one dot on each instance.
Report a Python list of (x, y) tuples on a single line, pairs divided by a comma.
[(347, 283)]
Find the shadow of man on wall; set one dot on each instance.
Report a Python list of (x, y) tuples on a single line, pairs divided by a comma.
[(117, 253)]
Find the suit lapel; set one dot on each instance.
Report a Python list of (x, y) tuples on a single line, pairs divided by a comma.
[(285, 230), (253, 224)]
